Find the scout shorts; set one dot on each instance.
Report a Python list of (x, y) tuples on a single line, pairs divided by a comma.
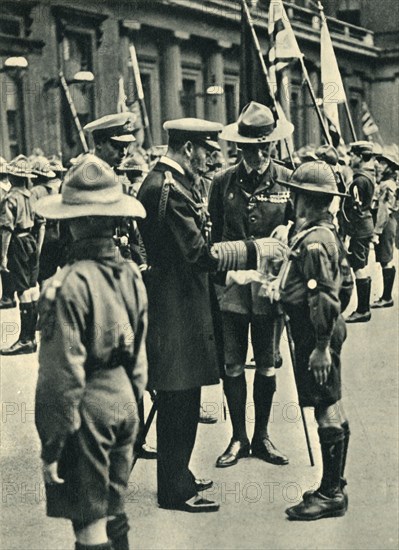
[(358, 252), (235, 334), (310, 393), (23, 261), (384, 249), (96, 460)]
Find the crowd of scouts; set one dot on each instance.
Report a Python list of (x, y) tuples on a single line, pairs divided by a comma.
[(220, 251)]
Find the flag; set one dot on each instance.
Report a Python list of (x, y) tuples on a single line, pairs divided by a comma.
[(283, 44), (335, 133), (369, 126), (333, 87), (253, 85)]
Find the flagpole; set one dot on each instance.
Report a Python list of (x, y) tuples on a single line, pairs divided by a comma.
[(263, 65), (312, 95), (347, 111), (140, 93)]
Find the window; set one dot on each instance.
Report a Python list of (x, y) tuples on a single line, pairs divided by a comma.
[(76, 49), (13, 133), (188, 98), (79, 35), (349, 11)]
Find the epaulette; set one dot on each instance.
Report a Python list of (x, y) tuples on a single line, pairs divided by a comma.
[(163, 201)]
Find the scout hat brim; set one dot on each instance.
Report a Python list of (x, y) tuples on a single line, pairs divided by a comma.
[(127, 138), (53, 207), (281, 131), (390, 159), (311, 188)]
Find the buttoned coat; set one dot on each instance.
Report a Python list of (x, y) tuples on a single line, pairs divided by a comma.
[(240, 209), (181, 343)]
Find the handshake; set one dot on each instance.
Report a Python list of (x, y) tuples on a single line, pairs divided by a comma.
[(258, 254)]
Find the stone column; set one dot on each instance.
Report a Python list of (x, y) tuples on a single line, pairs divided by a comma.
[(172, 78), (215, 105)]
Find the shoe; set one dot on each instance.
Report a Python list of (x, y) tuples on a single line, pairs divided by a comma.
[(308, 494), (382, 303), (196, 504), (20, 348), (203, 484), (357, 317), (235, 451), (205, 418), (318, 506), (265, 450), (7, 303)]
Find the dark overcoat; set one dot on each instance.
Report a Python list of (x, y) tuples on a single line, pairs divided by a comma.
[(181, 343)]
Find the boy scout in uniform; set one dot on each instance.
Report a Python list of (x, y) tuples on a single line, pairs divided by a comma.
[(247, 202), (315, 288), (19, 253), (46, 183), (92, 355), (7, 299), (359, 225), (386, 224)]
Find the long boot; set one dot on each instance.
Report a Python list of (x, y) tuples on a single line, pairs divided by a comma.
[(328, 500), (235, 389), (33, 324), (117, 530), (262, 447), (388, 275), (23, 344), (362, 313), (7, 300)]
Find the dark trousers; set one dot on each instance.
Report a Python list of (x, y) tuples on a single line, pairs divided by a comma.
[(177, 421)]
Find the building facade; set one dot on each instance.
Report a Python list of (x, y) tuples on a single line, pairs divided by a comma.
[(186, 49)]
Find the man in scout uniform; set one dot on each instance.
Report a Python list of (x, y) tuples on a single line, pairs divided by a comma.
[(315, 288), (7, 300), (19, 253), (247, 202), (359, 224), (181, 348), (385, 227), (92, 356)]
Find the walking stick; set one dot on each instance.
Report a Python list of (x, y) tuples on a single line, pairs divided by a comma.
[(291, 346), (143, 434)]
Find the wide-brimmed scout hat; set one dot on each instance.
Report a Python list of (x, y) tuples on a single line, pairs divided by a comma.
[(362, 147), (134, 163), (390, 157), (118, 127), (328, 154), (90, 188), (41, 167), (56, 164), (197, 130), (314, 177), (20, 167), (256, 124)]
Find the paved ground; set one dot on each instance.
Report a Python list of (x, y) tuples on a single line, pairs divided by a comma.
[(253, 494)]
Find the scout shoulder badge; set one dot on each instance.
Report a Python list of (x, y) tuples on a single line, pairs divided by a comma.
[(47, 301), (294, 248)]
